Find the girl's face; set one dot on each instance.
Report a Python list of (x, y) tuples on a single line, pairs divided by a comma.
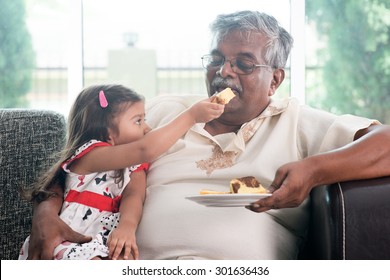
[(130, 125)]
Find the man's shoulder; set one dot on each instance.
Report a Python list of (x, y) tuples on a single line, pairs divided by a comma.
[(183, 101), (163, 108)]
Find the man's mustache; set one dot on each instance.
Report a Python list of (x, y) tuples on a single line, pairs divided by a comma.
[(219, 82)]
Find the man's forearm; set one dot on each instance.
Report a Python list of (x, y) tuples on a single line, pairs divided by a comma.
[(52, 204), (367, 157)]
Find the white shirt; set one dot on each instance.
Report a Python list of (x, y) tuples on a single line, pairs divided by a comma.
[(173, 227)]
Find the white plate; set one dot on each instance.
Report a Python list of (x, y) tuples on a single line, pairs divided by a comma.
[(227, 200)]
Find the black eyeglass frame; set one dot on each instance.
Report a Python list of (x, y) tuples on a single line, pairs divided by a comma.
[(206, 64)]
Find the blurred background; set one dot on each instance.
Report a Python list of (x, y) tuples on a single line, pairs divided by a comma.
[(51, 49)]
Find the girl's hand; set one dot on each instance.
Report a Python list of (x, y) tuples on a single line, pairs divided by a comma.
[(122, 244), (205, 111)]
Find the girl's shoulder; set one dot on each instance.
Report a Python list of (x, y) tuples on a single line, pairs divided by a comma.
[(88, 146), (83, 150)]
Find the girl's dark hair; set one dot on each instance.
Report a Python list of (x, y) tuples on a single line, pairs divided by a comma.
[(87, 120)]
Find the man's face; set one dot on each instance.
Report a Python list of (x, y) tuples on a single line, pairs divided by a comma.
[(254, 90)]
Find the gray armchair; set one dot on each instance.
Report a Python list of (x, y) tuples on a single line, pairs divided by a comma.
[(27, 140)]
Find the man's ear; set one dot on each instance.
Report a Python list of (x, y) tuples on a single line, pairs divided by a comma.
[(278, 77)]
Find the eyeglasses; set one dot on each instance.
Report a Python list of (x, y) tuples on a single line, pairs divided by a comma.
[(239, 66)]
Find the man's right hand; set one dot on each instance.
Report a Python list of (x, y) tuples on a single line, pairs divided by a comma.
[(48, 231)]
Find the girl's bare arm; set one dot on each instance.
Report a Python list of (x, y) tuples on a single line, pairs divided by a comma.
[(153, 144), (122, 241)]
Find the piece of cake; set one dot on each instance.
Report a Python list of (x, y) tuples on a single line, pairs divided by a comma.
[(223, 97), (206, 191), (247, 184)]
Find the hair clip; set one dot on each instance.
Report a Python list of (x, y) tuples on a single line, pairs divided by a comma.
[(102, 99)]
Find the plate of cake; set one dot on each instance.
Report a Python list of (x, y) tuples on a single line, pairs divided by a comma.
[(243, 191)]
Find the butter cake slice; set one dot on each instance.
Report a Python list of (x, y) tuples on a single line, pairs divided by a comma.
[(224, 96), (247, 184)]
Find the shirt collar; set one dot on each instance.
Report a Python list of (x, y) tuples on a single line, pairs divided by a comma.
[(275, 107)]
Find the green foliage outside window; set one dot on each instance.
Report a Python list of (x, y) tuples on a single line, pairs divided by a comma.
[(16, 54), (356, 58)]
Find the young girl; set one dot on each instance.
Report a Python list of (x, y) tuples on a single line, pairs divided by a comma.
[(103, 169)]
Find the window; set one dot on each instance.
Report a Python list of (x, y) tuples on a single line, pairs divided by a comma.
[(153, 50), (348, 58)]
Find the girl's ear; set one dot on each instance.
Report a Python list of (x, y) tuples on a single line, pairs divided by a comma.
[(110, 141), (110, 137)]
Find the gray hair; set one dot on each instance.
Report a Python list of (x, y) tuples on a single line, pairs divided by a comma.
[(279, 41)]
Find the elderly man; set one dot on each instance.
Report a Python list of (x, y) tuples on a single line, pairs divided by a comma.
[(290, 149)]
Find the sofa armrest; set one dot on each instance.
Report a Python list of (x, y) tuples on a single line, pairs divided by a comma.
[(350, 221)]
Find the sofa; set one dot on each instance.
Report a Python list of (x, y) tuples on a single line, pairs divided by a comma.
[(348, 219)]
